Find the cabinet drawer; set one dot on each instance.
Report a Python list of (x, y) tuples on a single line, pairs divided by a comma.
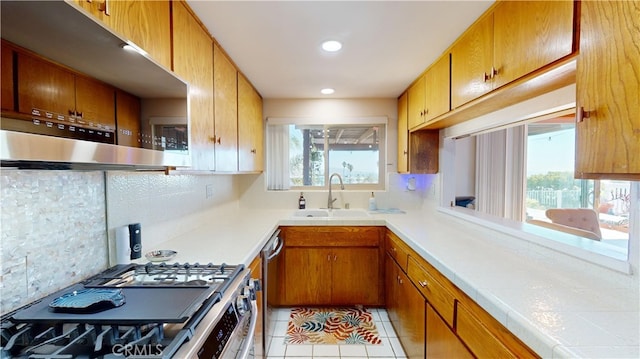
[(326, 236), (485, 336), (397, 249), (433, 288)]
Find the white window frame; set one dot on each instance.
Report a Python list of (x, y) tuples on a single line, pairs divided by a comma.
[(382, 121)]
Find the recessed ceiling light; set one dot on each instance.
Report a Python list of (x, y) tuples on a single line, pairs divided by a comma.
[(327, 91), (331, 46)]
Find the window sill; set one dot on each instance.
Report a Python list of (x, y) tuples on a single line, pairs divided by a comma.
[(596, 252)]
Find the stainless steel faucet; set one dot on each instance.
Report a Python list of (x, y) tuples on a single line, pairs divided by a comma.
[(331, 199)]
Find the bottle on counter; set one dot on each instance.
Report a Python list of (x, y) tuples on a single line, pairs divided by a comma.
[(372, 203), (302, 203)]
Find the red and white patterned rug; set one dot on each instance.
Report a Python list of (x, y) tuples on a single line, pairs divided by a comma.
[(331, 326)]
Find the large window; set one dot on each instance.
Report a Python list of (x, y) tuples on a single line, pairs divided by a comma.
[(550, 182), (303, 154)]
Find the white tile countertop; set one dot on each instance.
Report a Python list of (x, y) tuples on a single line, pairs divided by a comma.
[(560, 308)]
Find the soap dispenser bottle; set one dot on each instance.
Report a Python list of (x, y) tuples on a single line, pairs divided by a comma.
[(372, 203), (302, 203)]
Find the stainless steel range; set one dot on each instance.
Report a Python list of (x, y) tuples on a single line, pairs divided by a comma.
[(163, 311)]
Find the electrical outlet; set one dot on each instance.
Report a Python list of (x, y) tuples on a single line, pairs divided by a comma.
[(209, 188)]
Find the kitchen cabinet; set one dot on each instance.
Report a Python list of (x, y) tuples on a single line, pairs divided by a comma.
[(528, 35), (406, 308), (608, 83), (193, 62), (442, 342), (454, 325), (7, 95), (52, 92), (424, 147), (332, 266), (438, 88), (416, 103), (513, 39), (250, 128), (225, 91), (403, 134), (128, 119), (418, 151), (145, 23), (471, 58)]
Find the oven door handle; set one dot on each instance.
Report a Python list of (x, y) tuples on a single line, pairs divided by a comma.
[(248, 341), (277, 251)]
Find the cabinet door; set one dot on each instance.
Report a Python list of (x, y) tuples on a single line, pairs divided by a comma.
[(355, 276), (441, 341), (250, 129), (44, 86), (391, 292), (225, 91), (146, 24), (608, 83), (438, 88), (307, 276), (193, 62), (7, 95), (411, 312), (95, 103), (416, 103), (403, 135), (423, 151), (128, 119), (471, 61), (529, 35)]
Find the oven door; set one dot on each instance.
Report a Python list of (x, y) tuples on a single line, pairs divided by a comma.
[(224, 343)]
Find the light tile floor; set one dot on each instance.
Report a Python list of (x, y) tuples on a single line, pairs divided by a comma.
[(390, 347)]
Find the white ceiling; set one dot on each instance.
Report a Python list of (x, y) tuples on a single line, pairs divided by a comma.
[(386, 44)]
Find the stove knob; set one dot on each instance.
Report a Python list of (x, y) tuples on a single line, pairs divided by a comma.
[(242, 305)]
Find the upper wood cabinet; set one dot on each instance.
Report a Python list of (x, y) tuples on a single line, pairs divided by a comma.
[(7, 95), (416, 103), (250, 128), (429, 96), (193, 61), (424, 149), (438, 88), (528, 35), (513, 40), (403, 134), (608, 83), (145, 23), (225, 91), (471, 61)]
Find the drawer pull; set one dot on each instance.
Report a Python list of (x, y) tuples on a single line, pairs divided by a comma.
[(423, 283)]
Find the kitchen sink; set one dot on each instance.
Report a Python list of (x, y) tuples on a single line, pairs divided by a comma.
[(313, 213)]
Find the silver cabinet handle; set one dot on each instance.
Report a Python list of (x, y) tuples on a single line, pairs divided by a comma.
[(423, 283)]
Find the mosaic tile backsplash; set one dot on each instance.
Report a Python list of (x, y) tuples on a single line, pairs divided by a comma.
[(53, 232)]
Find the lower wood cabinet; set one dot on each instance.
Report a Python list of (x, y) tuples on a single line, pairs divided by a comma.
[(425, 307), (332, 266), (441, 340), (406, 309)]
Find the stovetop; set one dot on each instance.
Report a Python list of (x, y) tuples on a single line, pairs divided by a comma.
[(163, 305), (215, 276)]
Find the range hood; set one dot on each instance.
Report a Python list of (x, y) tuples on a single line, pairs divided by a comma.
[(65, 33)]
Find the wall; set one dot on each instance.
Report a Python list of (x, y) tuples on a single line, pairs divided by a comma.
[(166, 206), (53, 232)]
